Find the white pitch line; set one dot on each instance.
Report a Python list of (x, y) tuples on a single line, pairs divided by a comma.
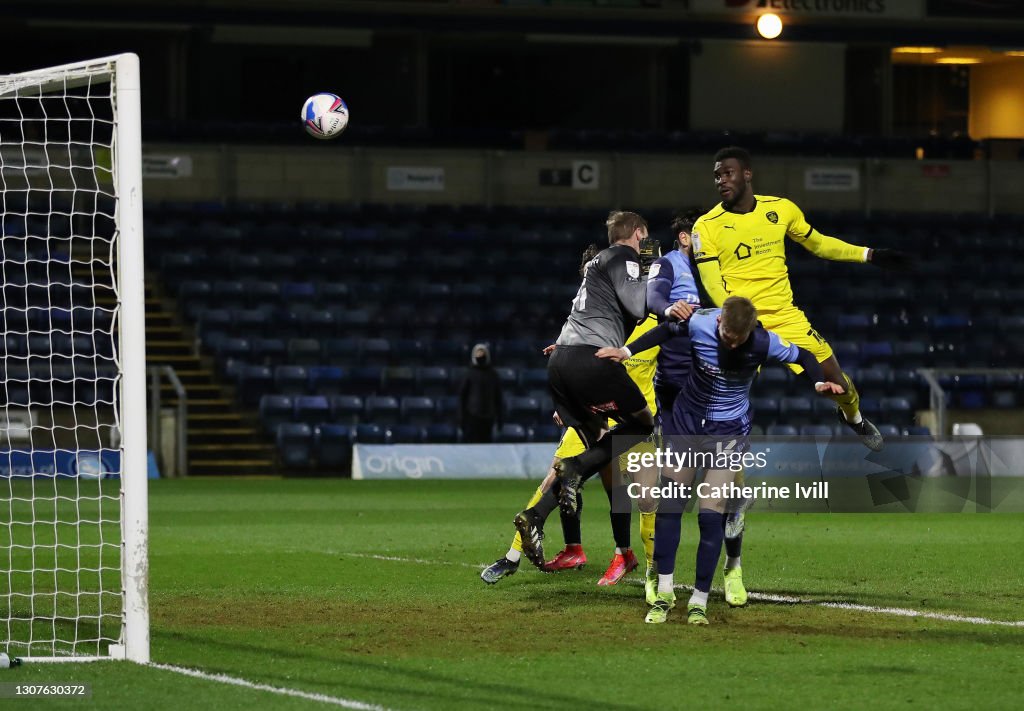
[(765, 597), (397, 559), (897, 611), (235, 681)]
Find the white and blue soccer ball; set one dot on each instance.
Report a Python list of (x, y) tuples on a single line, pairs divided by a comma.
[(325, 116)]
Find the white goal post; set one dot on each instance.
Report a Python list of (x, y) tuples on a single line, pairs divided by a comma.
[(74, 563)]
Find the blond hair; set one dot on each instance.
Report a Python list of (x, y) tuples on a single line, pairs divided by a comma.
[(739, 316)]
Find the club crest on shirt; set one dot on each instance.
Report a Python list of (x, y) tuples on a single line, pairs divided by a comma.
[(633, 270), (773, 217)]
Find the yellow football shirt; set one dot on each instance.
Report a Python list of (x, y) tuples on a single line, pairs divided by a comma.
[(744, 254)]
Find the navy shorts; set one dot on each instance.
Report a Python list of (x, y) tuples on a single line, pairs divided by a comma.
[(712, 435)]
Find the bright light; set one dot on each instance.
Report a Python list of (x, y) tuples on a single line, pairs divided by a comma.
[(958, 60), (1015, 53), (769, 25), (916, 50)]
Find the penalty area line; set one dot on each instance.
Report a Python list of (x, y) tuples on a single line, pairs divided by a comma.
[(280, 691), (856, 607), (763, 597)]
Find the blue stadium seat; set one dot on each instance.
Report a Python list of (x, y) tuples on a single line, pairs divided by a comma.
[(446, 352), (346, 409), (917, 431), (889, 432), (313, 409), (275, 410), (447, 408), (333, 447), (303, 351), (507, 376), (815, 431), (333, 294), (876, 352), (898, 410), (765, 407), (382, 410), (228, 294), (291, 379), (341, 351), (260, 293), (418, 411), (406, 434), (549, 432), (254, 382), (252, 322), (432, 381), (319, 323), (237, 348), (533, 379), (375, 351), (870, 406), (441, 433), (371, 434), (400, 381), (327, 379), (796, 410), (365, 380), (511, 432), (409, 352), (269, 351), (781, 431), (524, 410), (295, 444), (518, 353), (298, 291), (847, 353), (214, 320)]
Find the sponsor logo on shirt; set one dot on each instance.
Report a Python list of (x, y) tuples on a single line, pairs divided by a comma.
[(655, 270), (633, 270)]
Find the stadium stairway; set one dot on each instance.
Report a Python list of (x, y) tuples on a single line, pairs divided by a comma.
[(221, 439)]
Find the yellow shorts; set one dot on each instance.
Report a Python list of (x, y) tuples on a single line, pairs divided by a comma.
[(793, 325), (571, 445)]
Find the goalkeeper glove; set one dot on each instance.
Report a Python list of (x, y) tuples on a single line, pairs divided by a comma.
[(891, 259), (650, 249)]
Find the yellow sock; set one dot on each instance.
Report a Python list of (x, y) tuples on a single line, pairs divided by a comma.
[(647, 536), (517, 541), (849, 402)]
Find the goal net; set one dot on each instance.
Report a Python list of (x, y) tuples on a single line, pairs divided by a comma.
[(73, 514)]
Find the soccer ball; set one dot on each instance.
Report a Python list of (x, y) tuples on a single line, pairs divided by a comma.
[(325, 116)]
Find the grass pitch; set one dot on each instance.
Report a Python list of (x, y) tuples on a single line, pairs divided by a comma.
[(370, 592)]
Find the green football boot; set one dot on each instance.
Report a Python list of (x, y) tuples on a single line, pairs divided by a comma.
[(659, 610), (735, 593)]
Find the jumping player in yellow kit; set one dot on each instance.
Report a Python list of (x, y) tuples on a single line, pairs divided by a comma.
[(739, 247)]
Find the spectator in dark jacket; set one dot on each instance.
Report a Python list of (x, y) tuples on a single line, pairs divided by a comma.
[(480, 397)]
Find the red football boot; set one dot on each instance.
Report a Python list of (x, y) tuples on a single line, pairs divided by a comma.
[(621, 564), (572, 556)]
